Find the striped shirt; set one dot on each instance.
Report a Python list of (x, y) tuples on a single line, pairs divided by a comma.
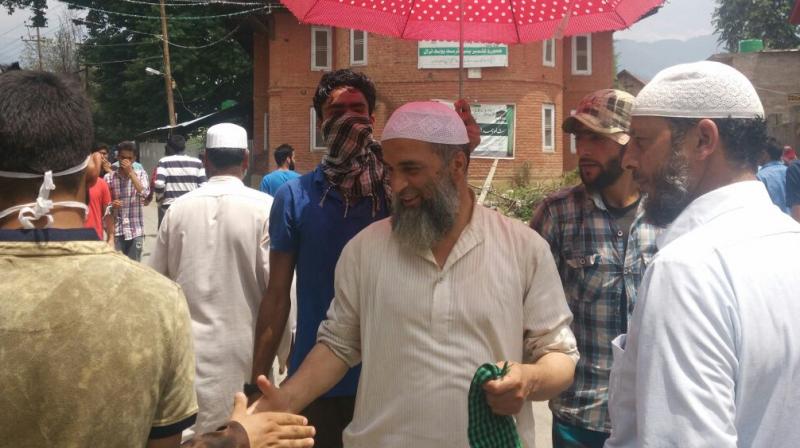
[(129, 221), (177, 175), (600, 276), (420, 332)]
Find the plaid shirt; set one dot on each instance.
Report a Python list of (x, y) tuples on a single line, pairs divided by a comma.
[(129, 222), (600, 279)]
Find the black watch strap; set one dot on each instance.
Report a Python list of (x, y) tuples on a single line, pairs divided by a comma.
[(251, 389)]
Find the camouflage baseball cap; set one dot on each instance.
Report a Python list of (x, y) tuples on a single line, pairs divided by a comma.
[(606, 112)]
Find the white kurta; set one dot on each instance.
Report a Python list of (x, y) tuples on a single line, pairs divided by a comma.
[(214, 242), (713, 354), (421, 332)]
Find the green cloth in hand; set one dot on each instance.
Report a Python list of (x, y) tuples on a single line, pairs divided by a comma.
[(487, 429)]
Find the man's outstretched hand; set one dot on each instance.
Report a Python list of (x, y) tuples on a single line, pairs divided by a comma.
[(271, 429), (272, 399)]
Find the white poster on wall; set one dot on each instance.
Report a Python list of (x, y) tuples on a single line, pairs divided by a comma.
[(497, 123), (444, 54)]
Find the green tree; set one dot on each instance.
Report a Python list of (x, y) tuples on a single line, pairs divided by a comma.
[(38, 7), (736, 20), (123, 37)]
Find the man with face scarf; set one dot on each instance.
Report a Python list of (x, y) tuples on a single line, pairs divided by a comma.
[(427, 296), (712, 356), (312, 219), (601, 243)]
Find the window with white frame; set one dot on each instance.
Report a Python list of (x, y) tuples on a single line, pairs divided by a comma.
[(549, 53), (317, 142), (321, 48), (358, 47), (573, 144), (582, 55), (548, 128)]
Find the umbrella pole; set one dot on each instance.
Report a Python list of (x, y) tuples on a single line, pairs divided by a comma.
[(461, 50)]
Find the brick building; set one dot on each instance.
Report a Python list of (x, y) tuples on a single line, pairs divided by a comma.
[(543, 80), (629, 82), (774, 75)]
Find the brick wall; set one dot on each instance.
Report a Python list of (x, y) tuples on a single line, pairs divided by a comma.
[(774, 74), (285, 88)]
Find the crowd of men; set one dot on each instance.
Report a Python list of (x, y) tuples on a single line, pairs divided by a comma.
[(652, 304)]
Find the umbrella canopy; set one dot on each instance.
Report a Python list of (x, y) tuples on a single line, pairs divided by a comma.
[(496, 21)]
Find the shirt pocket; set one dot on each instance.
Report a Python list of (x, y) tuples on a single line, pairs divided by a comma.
[(584, 276)]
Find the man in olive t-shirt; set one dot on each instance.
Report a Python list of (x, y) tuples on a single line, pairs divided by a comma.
[(95, 349)]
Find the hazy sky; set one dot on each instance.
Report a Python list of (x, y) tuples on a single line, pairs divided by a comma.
[(678, 19), (12, 27)]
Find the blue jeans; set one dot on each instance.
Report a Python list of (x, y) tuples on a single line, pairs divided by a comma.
[(132, 248), (566, 435)]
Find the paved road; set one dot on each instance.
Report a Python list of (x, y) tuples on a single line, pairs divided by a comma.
[(540, 410)]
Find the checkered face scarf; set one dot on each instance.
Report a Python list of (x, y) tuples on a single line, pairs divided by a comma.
[(354, 162)]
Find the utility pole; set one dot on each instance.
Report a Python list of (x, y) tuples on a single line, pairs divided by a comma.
[(39, 47), (38, 41), (167, 68)]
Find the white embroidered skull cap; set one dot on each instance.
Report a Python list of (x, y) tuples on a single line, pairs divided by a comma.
[(426, 121), (226, 135), (703, 89)]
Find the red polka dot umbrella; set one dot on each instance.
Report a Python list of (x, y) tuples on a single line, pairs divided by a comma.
[(492, 21), (495, 21)]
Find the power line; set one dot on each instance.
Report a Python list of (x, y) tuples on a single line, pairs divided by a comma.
[(196, 3), (140, 16), (226, 37), (122, 60), (121, 44), (12, 29), (157, 36)]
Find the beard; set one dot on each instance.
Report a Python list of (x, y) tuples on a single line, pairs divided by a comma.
[(291, 166), (423, 226), (670, 189), (609, 173)]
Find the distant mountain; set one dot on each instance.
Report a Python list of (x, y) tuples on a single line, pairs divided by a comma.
[(645, 59)]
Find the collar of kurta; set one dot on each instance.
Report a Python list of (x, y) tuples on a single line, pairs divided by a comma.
[(713, 204), (225, 178)]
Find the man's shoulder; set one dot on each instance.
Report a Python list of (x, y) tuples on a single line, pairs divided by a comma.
[(378, 232), (300, 186), (140, 279), (794, 168), (179, 161), (574, 195), (498, 226), (242, 191)]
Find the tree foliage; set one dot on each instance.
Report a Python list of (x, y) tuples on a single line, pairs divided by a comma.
[(38, 7), (208, 64), (736, 20)]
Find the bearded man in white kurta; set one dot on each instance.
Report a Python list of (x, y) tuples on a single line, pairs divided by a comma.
[(214, 242), (712, 357), (427, 296)]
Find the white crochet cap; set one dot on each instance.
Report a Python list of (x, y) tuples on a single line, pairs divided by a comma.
[(703, 89), (226, 135), (426, 121)]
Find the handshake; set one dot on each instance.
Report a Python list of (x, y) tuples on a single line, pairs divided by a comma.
[(267, 429)]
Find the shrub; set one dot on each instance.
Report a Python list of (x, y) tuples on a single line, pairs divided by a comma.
[(520, 202)]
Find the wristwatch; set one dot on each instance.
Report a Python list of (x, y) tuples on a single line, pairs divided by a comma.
[(251, 389)]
